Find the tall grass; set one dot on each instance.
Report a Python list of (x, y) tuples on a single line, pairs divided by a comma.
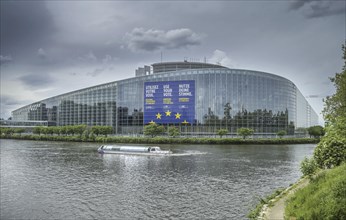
[(324, 198)]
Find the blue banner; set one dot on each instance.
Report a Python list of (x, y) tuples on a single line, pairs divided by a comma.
[(170, 102)]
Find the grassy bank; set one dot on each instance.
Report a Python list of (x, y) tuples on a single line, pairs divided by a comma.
[(163, 140), (268, 201), (323, 198)]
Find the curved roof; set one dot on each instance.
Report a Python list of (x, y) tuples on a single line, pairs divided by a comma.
[(174, 66)]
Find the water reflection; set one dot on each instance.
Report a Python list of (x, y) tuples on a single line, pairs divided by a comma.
[(45, 180)]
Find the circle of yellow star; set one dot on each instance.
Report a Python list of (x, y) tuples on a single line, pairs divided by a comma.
[(177, 116), (151, 122), (168, 113), (185, 122), (158, 116)]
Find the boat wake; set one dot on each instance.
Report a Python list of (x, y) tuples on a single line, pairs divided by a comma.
[(187, 153)]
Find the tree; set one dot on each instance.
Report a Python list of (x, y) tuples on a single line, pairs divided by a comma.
[(19, 130), (281, 133), (173, 131), (63, 130), (153, 130), (50, 130), (79, 129), (316, 131), (331, 151), (105, 130), (37, 130), (335, 105), (245, 132), (222, 132), (96, 130)]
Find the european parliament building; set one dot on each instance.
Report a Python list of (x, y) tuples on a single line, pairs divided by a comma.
[(199, 98)]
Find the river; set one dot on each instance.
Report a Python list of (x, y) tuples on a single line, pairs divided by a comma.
[(61, 180)]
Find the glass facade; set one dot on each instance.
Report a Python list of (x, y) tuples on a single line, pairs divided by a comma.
[(224, 98)]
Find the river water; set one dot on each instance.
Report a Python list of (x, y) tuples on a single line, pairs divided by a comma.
[(58, 180)]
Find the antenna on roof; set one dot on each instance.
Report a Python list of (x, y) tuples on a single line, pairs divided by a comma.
[(161, 56)]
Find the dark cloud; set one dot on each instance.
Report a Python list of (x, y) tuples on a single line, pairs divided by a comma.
[(9, 100), (24, 25), (41, 53), (319, 8), (140, 39), (297, 4), (36, 81), (96, 72), (5, 59)]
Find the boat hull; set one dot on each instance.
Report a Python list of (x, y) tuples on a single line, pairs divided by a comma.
[(133, 150)]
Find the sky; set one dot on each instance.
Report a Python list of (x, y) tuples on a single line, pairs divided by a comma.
[(52, 47)]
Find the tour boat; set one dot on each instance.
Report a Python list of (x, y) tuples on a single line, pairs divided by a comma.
[(109, 149)]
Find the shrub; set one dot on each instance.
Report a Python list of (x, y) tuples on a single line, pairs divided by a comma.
[(308, 166), (153, 130), (222, 132), (173, 131), (281, 133), (331, 151), (244, 132)]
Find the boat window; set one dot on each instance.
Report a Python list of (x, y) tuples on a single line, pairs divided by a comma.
[(152, 149)]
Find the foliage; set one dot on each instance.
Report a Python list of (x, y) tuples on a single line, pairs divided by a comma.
[(222, 132), (153, 130), (103, 130), (173, 131), (79, 129), (323, 198), (166, 140), (11, 131), (316, 131), (335, 105), (281, 133), (37, 130), (308, 167), (301, 130), (331, 151), (244, 132)]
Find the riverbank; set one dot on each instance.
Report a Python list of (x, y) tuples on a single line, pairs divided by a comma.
[(275, 208), (163, 140), (323, 195)]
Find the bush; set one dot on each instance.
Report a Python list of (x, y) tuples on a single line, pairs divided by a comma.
[(330, 152), (244, 132), (281, 133), (308, 166), (222, 132)]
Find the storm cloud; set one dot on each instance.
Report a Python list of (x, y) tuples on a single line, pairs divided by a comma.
[(5, 59), (140, 39), (36, 81), (318, 8), (63, 46), (25, 25)]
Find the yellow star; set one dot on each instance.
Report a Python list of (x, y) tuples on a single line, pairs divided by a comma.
[(177, 116), (152, 122), (158, 116), (168, 113), (185, 122)]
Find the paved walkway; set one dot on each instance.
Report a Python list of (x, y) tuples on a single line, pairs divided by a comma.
[(276, 212)]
